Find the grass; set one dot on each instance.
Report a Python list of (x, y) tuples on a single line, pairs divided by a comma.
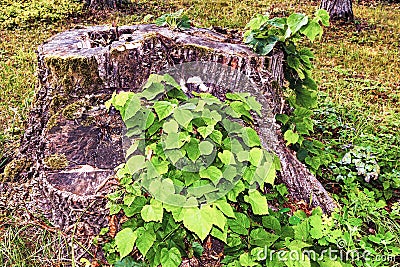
[(357, 66)]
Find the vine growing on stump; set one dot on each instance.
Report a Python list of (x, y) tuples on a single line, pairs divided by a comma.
[(263, 35)]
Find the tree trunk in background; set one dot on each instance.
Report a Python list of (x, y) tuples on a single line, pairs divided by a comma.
[(338, 9), (100, 4)]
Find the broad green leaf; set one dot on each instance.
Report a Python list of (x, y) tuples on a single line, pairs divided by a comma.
[(278, 22), (192, 149), (291, 137), (160, 166), (174, 155), (196, 221), (316, 227), (303, 261), (135, 163), (256, 156), (254, 104), (298, 245), (170, 126), (218, 218), (312, 30), (226, 157), (190, 177), (172, 141), (296, 21), (120, 99), (216, 136), (283, 118), (153, 90), (162, 189), (183, 117), (256, 22), (132, 148), (261, 238), (168, 79), (240, 225), (212, 173), (250, 137), (125, 241), (258, 202), (133, 106), (241, 108), (170, 258), (265, 173), (246, 260), (301, 231), (225, 207), (306, 98), (243, 156), (265, 46), (163, 109), (153, 78), (271, 222), (221, 235), (206, 148), (152, 212), (150, 119), (205, 130), (145, 239), (135, 207), (323, 16), (234, 193)]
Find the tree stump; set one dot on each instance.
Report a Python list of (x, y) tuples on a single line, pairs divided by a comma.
[(72, 144)]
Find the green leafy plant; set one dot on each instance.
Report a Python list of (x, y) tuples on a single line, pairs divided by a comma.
[(188, 164), (263, 35), (176, 20)]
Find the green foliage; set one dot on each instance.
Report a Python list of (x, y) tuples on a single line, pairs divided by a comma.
[(176, 20), (263, 35), (187, 154), (253, 234), (23, 14)]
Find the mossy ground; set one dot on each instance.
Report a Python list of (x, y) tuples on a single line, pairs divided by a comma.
[(357, 66)]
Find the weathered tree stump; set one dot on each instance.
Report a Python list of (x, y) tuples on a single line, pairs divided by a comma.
[(73, 144)]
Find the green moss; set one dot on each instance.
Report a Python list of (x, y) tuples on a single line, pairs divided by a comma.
[(73, 74), (14, 168), (56, 161), (56, 103), (74, 110), (52, 122)]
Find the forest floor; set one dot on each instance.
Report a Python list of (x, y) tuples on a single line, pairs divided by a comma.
[(357, 69)]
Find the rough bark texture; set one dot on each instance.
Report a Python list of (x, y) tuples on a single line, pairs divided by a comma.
[(100, 4), (338, 9), (72, 144)]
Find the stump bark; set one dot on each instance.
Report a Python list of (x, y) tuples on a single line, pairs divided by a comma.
[(73, 144)]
